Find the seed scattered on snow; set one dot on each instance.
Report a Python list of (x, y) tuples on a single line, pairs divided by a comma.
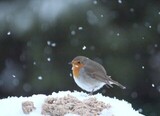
[(27, 107), (60, 106)]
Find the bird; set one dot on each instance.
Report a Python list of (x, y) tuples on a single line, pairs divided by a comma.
[(90, 75)]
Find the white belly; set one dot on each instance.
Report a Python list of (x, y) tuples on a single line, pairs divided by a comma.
[(88, 84)]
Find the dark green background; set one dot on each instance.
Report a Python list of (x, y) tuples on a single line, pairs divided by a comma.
[(123, 37)]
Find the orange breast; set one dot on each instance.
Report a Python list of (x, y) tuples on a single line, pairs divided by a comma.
[(76, 69)]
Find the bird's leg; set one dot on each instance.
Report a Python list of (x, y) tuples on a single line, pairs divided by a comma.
[(91, 93), (106, 85)]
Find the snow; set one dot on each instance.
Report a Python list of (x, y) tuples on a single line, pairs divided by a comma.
[(158, 88), (134, 95), (80, 28), (14, 104), (84, 47), (34, 63), (70, 74), (48, 42), (153, 85), (94, 2), (40, 77), (73, 32), (9, 33), (131, 9), (48, 59), (140, 110), (142, 67), (53, 44), (155, 45), (120, 1), (118, 34), (27, 87), (13, 76), (102, 16)]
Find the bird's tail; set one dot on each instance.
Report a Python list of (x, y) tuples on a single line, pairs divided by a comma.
[(118, 84)]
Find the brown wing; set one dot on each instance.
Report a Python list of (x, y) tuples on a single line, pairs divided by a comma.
[(97, 71)]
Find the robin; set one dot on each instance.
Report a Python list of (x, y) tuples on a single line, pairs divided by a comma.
[(90, 75)]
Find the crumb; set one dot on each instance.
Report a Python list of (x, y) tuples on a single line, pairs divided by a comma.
[(27, 107), (70, 104)]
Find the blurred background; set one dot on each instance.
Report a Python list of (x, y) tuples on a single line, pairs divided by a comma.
[(38, 38)]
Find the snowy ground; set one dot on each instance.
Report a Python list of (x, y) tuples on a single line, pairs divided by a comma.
[(12, 106)]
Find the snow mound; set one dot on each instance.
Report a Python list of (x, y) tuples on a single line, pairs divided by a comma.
[(69, 104), (66, 103)]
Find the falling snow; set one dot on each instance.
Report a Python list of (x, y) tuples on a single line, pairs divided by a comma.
[(40, 77), (142, 33), (14, 76), (27, 87), (94, 2), (73, 32), (158, 88), (48, 59), (102, 16), (34, 63), (131, 10), (53, 44), (134, 95), (9, 33), (118, 34), (70, 74), (155, 45), (48, 42), (84, 47), (120, 1), (80, 28)]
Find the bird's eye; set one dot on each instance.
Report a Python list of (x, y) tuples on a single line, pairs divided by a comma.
[(79, 62)]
